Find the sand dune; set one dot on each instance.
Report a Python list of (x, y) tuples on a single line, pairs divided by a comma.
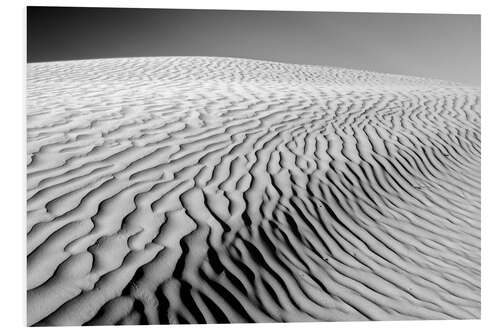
[(203, 190)]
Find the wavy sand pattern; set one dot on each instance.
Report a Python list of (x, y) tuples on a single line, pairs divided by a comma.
[(202, 190)]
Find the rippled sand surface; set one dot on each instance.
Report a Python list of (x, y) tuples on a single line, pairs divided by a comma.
[(202, 190)]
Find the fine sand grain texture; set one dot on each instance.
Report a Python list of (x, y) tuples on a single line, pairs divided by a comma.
[(212, 190)]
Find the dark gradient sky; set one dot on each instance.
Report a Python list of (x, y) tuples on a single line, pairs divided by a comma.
[(429, 45)]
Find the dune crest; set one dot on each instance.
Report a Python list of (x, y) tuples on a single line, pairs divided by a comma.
[(210, 190)]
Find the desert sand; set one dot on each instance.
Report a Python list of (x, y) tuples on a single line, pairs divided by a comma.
[(211, 190)]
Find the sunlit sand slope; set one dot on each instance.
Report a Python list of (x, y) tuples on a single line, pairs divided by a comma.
[(193, 190)]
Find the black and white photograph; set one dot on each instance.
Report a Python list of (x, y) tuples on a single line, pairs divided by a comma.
[(211, 166)]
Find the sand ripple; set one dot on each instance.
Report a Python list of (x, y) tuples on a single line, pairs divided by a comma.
[(202, 190)]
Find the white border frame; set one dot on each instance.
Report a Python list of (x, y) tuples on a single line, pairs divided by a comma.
[(13, 170)]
